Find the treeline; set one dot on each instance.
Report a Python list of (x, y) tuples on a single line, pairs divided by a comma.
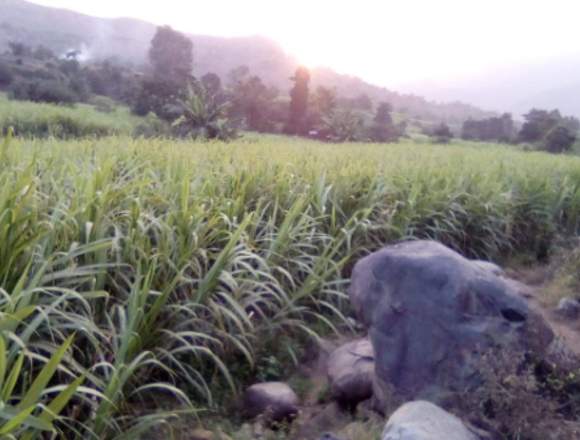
[(176, 103), (547, 130), (207, 106)]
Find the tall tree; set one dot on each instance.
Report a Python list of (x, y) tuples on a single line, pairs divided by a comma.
[(559, 140), (171, 59), (538, 124), (252, 102), (171, 56), (299, 102), (383, 129)]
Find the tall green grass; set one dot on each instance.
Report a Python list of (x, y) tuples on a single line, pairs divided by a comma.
[(30, 119), (173, 263)]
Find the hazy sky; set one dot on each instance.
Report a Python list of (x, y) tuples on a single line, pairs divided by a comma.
[(384, 41)]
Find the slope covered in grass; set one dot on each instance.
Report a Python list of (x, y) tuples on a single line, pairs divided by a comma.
[(179, 266), (31, 119)]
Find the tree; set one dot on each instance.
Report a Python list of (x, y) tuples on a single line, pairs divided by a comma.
[(362, 102), (324, 100), (383, 113), (252, 102), (559, 140), (442, 134), (299, 102), (383, 129), (171, 56), (19, 49), (343, 125), (491, 129), (538, 124), (171, 59), (212, 83), (202, 117), (6, 75)]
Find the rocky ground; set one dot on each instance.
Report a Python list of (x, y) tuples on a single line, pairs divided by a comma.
[(335, 392)]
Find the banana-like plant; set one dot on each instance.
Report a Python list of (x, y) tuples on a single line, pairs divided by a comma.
[(203, 116)]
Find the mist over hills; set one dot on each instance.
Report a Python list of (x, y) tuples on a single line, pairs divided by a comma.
[(128, 39), (548, 83)]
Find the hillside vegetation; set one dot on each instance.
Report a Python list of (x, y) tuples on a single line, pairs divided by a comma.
[(30, 119), (127, 41), (173, 268)]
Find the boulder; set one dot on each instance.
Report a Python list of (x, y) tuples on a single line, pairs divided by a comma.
[(424, 421), (276, 401), (568, 308), (351, 368), (433, 315)]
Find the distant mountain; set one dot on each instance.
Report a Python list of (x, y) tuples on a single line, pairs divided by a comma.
[(128, 40), (547, 84)]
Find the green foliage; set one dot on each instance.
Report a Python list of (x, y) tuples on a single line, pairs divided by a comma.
[(203, 116), (559, 140), (343, 126), (538, 124), (6, 75), (152, 127), (49, 91), (171, 59), (500, 129), (45, 120), (253, 103), (297, 122), (383, 128), (176, 265), (442, 134)]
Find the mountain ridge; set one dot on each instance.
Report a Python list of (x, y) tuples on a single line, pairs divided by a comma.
[(127, 39)]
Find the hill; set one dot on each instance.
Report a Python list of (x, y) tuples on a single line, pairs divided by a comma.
[(128, 40)]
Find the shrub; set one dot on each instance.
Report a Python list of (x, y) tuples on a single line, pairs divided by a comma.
[(6, 76), (152, 126), (442, 134), (103, 104), (202, 116), (51, 91), (559, 140)]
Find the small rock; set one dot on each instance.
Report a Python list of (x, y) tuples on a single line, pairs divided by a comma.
[(276, 401), (350, 372), (421, 420), (568, 308)]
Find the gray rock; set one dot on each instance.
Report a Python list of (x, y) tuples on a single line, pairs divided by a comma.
[(276, 401), (425, 421), (351, 369), (432, 315), (568, 308)]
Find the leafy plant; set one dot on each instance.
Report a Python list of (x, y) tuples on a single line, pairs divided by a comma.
[(202, 116)]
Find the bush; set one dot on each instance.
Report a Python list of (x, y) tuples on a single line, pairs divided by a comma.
[(103, 104), (6, 75), (442, 134), (559, 140), (51, 91), (152, 127)]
